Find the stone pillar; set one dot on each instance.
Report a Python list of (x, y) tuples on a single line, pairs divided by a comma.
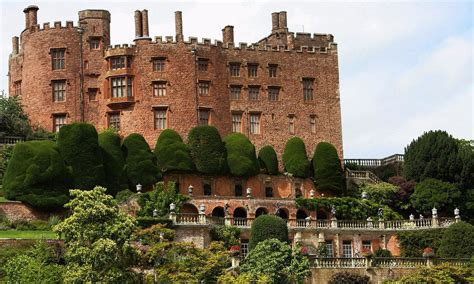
[(337, 245), (15, 45), (298, 237), (228, 35), (383, 242), (145, 30), (228, 220), (178, 21), (282, 20), (31, 16), (138, 24), (357, 243), (334, 222), (173, 217), (274, 21), (202, 218)]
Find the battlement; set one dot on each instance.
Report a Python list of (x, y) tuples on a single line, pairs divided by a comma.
[(94, 14), (48, 26)]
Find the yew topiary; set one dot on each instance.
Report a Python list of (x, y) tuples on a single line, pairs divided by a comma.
[(207, 150), (267, 227), (328, 173), (114, 163), (295, 158), (171, 153), (37, 175), (140, 163), (268, 160), (241, 157)]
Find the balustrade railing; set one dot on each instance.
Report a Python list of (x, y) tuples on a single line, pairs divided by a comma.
[(382, 262), (240, 222), (10, 140), (339, 262), (184, 218), (398, 262), (372, 163), (323, 223)]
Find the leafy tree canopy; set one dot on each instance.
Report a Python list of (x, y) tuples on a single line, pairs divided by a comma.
[(13, 120), (434, 193), (140, 163), (268, 160), (457, 241), (171, 153), (228, 235), (159, 199), (295, 158), (443, 273), (412, 243), (241, 157), (207, 150), (267, 227), (382, 193), (328, 173), (114, 163)]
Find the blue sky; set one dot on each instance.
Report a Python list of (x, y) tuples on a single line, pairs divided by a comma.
[(405, 67)]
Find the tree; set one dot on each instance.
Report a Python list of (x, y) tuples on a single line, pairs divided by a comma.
[(241, 157), (268, 160), (382, 193), (432, 193), (79, 146), (171, 153), (140, 163), (295, 159), (96, 237), (348, 277), (228, 235), (159, 199), (328, 173), (207, 150), (114, 163), (401, 199), (457, 241), (267, 227), (277, 261), (13, 120), (443, 273), (37, 175)]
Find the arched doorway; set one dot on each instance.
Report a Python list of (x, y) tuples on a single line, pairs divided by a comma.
[(261, 211), (189, 208), (218, 212), (301, 214), (282, 213)]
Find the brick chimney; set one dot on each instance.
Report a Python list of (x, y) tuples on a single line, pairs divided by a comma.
[(15, 46), (138, 24), (274, 21), (178, 21), (228, 35), (145, 31), (282, 21), (31, 16)]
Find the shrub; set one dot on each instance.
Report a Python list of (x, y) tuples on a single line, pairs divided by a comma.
[(382, 253), (295, 159), (155, 234), (268, 160), (229, 235), (79, 147), (241, 157), (171, 153), (160, 199), (382, 193), (114, 163), (146, 222), (267, 227), (412, 243), (443, 273), (457, 241), (328, 174), (434, 193), (207, 150), (123, 195), (140, 161), (347, 277), (37, 175)]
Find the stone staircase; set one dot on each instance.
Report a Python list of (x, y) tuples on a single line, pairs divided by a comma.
[(362, 176)]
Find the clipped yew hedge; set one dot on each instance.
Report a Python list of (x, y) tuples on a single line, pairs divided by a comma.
[(171, 153), (295, 158), (328, 173), (79, 146), (267, 227), (140, 162), (241, 157), (268, 160), (37, 175), (207, 150), (114, 162)]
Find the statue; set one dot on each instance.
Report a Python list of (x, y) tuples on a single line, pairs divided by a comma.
[(333, 210), (380, 213)]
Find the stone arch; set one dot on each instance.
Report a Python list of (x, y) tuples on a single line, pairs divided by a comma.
[(321, 215), (189, 208), (283, 213), (240, 212), (301, 214), (261, 211), (218, 211)]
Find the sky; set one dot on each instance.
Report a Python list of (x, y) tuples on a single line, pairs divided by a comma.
[(405, 67)]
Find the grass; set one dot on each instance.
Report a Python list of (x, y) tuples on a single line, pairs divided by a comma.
[(3, 199), (34, 235)]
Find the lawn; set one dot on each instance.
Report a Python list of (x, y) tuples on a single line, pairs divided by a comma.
[(3, 199), (36, 235)]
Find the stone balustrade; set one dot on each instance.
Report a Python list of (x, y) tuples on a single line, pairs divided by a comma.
[(373, 163), (383, 262)]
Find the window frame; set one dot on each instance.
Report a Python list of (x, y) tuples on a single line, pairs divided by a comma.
[(272, 91), (124, 90), (207, 119), (118, 62), (164, 119), (312, 123), (57, 126), (59, 95), (58, 58), (252, 70), (346, 246), (253, 93), (308, 89), (234, 69), (93, 41), (159, 88), (236, 123), (158, 64), (254, 125), (110, 122), (272, 70), (203, 64), (291, 124), (204, 88), (235, 96)]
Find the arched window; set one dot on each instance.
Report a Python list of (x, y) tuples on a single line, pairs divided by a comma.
[(261, 211), (240, 213), (282, 213), (301, 214), (218, 212), (189, 208)]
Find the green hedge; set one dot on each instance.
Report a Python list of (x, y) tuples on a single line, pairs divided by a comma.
[(146, 222), (207, 150), (295, 159), (114, 163), (328, 173), (140, 163), (412, 243), (268, 160), (268, 227), (241, 157), (79, 146), (171, 153), (37, 175)]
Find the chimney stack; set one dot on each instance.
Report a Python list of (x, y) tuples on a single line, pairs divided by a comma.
[(228, 35), (15, 46), (282, 21), (145, 32), (31, 16), (178, 21), (274, 21), (138, 24)]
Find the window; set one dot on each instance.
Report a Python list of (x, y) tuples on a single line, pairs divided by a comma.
[(273, 94), (347, 249), (202, 64), (57, 58), (17, 88), (159, 89), (234, 69), (117, 62), (237, 122), (160, 118), (252, 68), (329, 248), (207, 188), (203, 117), (312, 122), (114, 120), (204, 88), (94, 43), (366, 246), (159, 64), (253, 93), (59, 91), (121, 87), (255, 123), (291, 124), (238, 189), (268, 191), (235, 92), (308, 89), (59, 120), (244, 248), (92, 94), (272, 70)]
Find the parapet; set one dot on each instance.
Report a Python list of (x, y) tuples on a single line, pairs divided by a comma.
[(94, 14), (119, 49)]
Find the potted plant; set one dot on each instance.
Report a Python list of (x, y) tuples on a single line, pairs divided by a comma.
[(234, 250), (428, 252)]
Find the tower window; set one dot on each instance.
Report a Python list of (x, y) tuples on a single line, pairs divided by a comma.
[(308, 89), (202, 64), (114, 120), (117, 62), (57, 58), (234, 69), (159, 64), (159, 89), (273, 94), (204, 88), (59, 90), (235, 92), (160, 118), (272, 70), (203, 117), (252, 69), (17, 88), (253, 93), (94, 43), (255, 123)]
